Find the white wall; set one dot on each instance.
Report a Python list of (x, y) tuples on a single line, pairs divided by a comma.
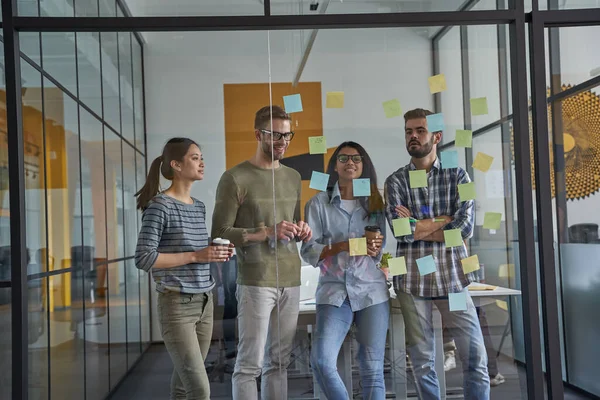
[(185, 73)]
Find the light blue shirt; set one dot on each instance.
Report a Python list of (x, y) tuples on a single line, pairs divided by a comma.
[(358, 277)]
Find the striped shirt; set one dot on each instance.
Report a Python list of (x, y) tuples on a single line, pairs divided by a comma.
[(440, 197), (171, 226)]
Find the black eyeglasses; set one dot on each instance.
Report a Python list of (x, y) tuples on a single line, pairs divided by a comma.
[(343, 158), (278, 135)]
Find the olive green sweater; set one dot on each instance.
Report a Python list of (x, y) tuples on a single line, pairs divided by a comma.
[(244, 204)]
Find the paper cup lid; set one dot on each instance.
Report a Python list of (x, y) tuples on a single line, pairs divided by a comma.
[(220, 241)]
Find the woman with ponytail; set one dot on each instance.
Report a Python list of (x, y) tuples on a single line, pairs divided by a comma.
[(173, 243)]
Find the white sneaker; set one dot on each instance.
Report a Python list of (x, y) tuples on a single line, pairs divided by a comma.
[(449, 361), (497, 380)]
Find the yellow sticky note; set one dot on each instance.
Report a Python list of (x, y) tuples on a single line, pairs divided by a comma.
[(453, 238), (466, 191), (479, 106), (483, 162), (358, 247), (492, 220), (418, 178), (335, 100), (437, 83), (506, 270), (470, 264), (392, 108), (317, 145), (463, 138), (401, 227), (397, 266)]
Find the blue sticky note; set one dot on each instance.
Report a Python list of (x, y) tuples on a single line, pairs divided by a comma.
[(449, 159), (292, 103), (458, 301), (361, 187), (435, 123), (425, 210), (319, 181), (426, 265)]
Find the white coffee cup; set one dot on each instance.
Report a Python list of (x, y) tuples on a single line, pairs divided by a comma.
[(220, 242)]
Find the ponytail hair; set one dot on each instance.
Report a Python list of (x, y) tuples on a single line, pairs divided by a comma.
[(174, 150)]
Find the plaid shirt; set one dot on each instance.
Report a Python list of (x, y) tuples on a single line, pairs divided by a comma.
[(440, 197)]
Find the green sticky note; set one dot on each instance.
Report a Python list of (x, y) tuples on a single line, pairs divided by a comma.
[(358, 246), (463, 138), (402, 227), (492, 220), (479, 106), (397, 266), (317, 145), (466, 191), (453, 238), (470, 264), (392, 108), (418, 178)]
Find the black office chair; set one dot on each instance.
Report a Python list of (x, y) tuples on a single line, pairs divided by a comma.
[(583, 233)]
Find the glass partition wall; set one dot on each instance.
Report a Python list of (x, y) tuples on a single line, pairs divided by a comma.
[(99, 97)]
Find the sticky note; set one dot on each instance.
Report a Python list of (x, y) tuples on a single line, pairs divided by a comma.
[(492, 220), (449, 159), (479, 106), (470, 264), (392, 108), (358, 246), (319, 181), (506, 270), (457, 301), (453, 238), (463, 138), (317, 145), (361, 187), (483, 162), (435, 123), (466, 191), (426, 265), (401, 227), (437, 83), (418, 178), (334, 100), (397, 266), (292, 103)]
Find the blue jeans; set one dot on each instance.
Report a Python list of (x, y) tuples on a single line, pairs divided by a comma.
[(420, 345), (333, 323)]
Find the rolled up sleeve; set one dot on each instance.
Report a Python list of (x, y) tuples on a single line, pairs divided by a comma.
[(463, 217), (311, 250)]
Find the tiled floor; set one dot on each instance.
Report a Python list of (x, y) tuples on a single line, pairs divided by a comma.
[(150, 380)]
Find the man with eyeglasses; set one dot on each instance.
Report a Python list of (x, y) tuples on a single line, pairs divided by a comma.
[(268, 290), (434, 271)]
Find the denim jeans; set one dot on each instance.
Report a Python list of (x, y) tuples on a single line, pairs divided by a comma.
[(186, 323), (333, 324), (463, 326), (266, 337)]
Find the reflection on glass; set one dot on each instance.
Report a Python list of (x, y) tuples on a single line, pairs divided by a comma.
[(140, 178), (126, 88), (194, 8), (88, 63), (110, 79), (451, 99), (118, 322), (35, 200), (86, 8), (5, 337), (58, 52), (114, 195), (37, 337), (138, 97), (133, 312)]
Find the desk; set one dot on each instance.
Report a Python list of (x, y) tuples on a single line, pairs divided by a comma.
[(482, 294)]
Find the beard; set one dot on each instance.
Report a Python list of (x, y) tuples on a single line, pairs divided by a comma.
[(266, 148), (423, 151)]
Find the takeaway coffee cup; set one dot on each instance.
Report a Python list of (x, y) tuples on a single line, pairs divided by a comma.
[(372, 232), (220, 242)]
